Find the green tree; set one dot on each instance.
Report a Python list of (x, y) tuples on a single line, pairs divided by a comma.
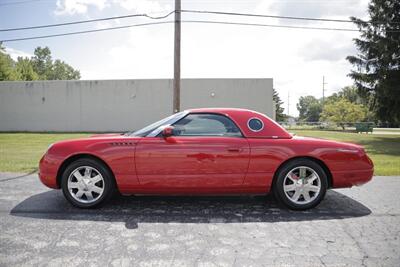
[(62, 71), (279, 115), (309, 108), (7, 64), (25, 71), (350, 93), (47, 69), (42, 62), (332, 98), (343, 111), (39, 67), (377, 73)]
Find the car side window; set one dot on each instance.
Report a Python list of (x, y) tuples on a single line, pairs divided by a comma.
[(206, 125)]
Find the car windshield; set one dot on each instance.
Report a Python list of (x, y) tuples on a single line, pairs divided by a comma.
[(148, 129)]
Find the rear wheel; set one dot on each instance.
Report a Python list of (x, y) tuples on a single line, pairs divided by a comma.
[(301, 184), (87, 183)]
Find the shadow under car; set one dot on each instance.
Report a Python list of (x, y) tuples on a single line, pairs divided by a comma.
[(134, 210)]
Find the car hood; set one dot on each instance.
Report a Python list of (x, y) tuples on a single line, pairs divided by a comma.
[(96, 139), (106, 135)]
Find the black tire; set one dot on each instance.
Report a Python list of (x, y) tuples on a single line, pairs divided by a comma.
[(109, 186), (278, 186)]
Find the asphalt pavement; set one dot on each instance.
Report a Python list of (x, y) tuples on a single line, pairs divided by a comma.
[(359, 226)]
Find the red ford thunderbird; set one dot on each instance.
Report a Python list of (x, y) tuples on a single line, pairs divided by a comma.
[(204, 151)]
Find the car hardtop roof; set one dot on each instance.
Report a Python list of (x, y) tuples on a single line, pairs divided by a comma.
[(242, 116), (221, 110)]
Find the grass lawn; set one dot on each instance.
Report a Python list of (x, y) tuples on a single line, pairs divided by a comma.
[(383, 149), (21, 152)]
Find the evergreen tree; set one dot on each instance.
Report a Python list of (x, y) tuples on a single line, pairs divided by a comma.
[(377, 73), (279, 115)]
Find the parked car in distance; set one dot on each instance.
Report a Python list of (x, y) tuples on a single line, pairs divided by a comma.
[(204, 151)]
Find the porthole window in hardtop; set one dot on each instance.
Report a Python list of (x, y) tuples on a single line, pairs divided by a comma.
[(255, 124)]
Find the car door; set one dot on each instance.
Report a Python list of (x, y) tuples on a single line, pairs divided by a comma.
[(205, 151)]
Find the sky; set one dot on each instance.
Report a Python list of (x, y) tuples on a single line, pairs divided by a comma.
[(296, 59)]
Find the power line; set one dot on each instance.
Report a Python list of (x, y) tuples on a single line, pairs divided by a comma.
[(87, 31), (262, 16), (184, 21), (268, 25), (282, 17), (182, 11), (87, 21), (19, 2)]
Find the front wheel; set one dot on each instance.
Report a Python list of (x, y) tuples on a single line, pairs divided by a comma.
[(87, 183), (301, 184)]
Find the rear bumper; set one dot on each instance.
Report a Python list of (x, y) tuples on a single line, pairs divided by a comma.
[(362, 173), (351, 178), (48, 172)]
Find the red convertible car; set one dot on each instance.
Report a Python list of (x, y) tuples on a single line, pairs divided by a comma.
[(204, 151)]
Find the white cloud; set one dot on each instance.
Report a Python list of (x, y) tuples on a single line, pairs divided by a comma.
[(106, 24), (295, 59), (144, 53), (321, 8), (327, 49), (143, 6), (14, 53), (284, 55), (71, 7)]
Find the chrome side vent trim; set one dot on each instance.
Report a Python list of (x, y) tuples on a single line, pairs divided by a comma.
[(121, 144)]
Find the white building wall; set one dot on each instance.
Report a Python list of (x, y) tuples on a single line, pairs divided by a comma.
[(119, 105)]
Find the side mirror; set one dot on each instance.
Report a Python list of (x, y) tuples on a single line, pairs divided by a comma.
[(168, 131)]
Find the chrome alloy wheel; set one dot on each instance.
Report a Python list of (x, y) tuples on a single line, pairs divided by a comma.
[(302, 185), (85, 184)]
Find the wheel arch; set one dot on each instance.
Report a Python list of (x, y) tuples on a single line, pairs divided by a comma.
[(75, 157), (316, 160)]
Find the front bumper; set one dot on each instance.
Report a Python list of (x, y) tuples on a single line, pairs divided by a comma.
[(48, 172)]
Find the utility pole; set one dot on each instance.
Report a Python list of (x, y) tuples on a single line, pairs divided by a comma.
[(177, 58), (323, 89), (288, 96)]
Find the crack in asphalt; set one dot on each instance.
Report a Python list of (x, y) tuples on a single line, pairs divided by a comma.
[(18, 177)]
